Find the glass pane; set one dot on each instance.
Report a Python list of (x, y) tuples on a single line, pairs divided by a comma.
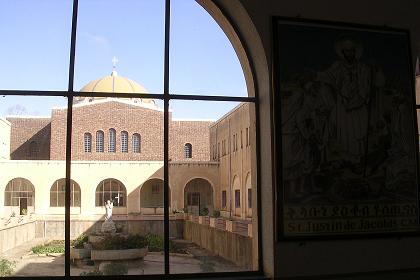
[(32, 228), (202, 59), (120, 46), (35, 47), (217, 236), (118, 215)]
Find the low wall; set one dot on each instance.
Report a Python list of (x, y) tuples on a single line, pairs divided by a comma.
[(54, 229), (234, 247), (16, 235)]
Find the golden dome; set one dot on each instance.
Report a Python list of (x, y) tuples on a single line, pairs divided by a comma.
[(115, 84)]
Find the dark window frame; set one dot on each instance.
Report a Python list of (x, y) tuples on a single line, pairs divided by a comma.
[(166, 97)]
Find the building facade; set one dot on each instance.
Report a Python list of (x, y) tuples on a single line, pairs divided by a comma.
[(117, 154)]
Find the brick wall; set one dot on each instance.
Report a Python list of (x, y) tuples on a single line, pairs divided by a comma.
[(133, 119), (27, 132)]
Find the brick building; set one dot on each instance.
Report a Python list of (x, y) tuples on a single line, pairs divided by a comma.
[(117, 153)]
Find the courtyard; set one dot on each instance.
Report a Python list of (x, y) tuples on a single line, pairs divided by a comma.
[(194, 260)]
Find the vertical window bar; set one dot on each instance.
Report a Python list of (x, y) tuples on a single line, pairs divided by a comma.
[(68, 139), (166, 138)]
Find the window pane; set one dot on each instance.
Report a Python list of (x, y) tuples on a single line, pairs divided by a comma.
[(120, 179), (204, 188), (132, 31), (35, 47), (28, 175), (112, 139), (202, 59), (124, 142)]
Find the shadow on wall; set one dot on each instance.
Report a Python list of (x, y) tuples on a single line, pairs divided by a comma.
[(36, 147)]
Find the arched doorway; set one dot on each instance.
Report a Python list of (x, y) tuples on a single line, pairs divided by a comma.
[(151, 197), (111, 189), (58, 191), (248, 188), (237, 203), (198, 196), (19, 196)]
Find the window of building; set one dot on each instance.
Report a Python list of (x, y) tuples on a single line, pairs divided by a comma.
[(19, 191), (88, 142), (58, 191), (33, 150), (188, 150), (233, 143), (223, 199), (124, 142), (112, 140), (237, 198), (136, 143), (99, 141), (242, 145), (113, 190), (249, 198), (247, 136)]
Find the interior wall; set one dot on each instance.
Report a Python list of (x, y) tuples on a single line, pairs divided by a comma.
[(252, 21)]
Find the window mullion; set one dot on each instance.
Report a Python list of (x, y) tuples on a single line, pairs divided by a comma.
[(68, 137), (166, 137)]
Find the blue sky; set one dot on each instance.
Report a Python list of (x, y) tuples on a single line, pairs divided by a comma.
[(34, 52)]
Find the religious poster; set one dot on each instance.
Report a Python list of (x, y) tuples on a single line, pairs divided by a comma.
[(346, 133)]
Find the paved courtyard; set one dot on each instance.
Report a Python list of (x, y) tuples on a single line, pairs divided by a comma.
[(198, 260)]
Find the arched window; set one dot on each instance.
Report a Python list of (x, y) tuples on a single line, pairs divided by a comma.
[(88, 142), (58, 191), (188, 150), (111, 189), (112, 140), (99, 141), (19, 192), (136, 143), (124, 142), (33, 150)]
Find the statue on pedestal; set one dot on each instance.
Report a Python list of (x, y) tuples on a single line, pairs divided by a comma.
[(108, 226)]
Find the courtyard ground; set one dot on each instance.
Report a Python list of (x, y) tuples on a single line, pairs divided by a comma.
[(198, 260)]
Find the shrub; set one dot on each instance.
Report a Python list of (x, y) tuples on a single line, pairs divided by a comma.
[(6, 267), (155, 242), (115, 268), (112, 243), (79, 241), (136, 241), (56, 246), (120, 243), (91, 273), (216, 214), (204, 211)]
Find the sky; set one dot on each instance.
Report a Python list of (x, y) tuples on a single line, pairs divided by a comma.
[(34, 53)]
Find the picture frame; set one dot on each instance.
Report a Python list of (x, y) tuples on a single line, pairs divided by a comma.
[(345, 131)]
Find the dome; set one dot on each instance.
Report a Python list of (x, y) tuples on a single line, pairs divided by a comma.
[(115, 84)]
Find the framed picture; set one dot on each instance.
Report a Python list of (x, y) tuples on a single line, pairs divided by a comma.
[(345, 130)]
